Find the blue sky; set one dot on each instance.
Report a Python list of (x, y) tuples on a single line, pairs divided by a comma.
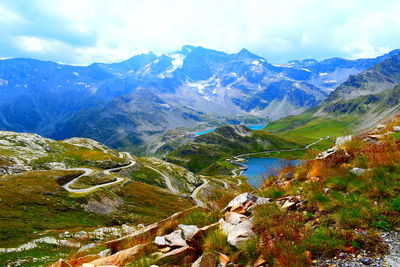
[(84, 31)]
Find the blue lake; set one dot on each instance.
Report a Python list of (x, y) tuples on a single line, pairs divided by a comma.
[(259, 167), (251, 126)]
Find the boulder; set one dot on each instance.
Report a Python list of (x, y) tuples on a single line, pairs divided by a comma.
[(188, 231), (206, 260), (235, 218), (242, 199), (105, 253), (238, 208), (135, 238), (341, 140), (122, 257), (396, 128), (182, 256), (197, 238), (160, 241), (80, 261), (86, 247), (327, 153), (262, 200), (260, 262), (287, 204), (174, 239), (238, 233), (223, 259), (225, 226), (61, 263)]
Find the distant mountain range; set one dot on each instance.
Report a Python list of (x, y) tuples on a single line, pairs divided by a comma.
[(131, 104), (363, 101)]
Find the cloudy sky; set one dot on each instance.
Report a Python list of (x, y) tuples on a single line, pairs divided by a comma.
[(85, 31)]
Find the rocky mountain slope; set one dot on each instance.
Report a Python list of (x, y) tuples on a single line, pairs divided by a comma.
[(341, 209), (187, 88), (359, 103), (59, 196)]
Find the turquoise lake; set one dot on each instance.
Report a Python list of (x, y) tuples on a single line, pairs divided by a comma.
[(251, 126), (259, 167)]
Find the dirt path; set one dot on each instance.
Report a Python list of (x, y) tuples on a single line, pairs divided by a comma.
[(89, 171)]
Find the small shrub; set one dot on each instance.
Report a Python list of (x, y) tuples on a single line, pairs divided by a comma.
[(355, 244), (249, 251), (338, 183), (216, 241), (381, 222), (324, 241), (200, 218), (273, 193), (395, 204)]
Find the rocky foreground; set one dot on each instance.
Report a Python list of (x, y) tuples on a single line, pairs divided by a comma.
[(182, 245)]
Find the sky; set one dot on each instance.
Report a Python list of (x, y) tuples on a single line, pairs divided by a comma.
[(81, 32)]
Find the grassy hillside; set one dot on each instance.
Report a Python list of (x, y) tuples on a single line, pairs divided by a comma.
[(338, 118), (335, 202), (34, 201), (209, 151)]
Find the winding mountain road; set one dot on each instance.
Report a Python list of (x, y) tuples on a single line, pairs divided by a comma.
[(88, 171), (167, 180), (197, 190)]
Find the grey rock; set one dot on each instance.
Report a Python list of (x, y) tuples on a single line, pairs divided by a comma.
[(239, 233), (206, 260), (235, 218), (188, 231), (174, 239), (86, 247), (366, 261), (341, 140), (241, 199), (105, 253)]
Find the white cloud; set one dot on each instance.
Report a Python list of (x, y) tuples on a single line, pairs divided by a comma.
[(277, 30)]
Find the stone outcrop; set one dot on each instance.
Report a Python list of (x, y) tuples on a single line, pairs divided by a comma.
[(122, 257), (205, 260), (174, 239), (341, 140)]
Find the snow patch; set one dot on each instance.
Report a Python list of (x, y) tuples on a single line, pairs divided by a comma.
[(165, 105), (177, 61), (3, 82), (84, 84)]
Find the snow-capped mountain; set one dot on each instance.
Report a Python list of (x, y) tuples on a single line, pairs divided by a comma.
[(182, 89)]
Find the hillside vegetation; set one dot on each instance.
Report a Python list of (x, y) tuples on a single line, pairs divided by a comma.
[(208, 151)]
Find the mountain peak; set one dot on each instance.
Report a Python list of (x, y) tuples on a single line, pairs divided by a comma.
[(186, 49), (246, 53)]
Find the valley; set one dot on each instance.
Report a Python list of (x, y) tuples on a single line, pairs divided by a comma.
[(134, 105), (184, 197)]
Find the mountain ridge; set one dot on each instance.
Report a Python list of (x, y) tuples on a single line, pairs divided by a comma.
[(46, 97)]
